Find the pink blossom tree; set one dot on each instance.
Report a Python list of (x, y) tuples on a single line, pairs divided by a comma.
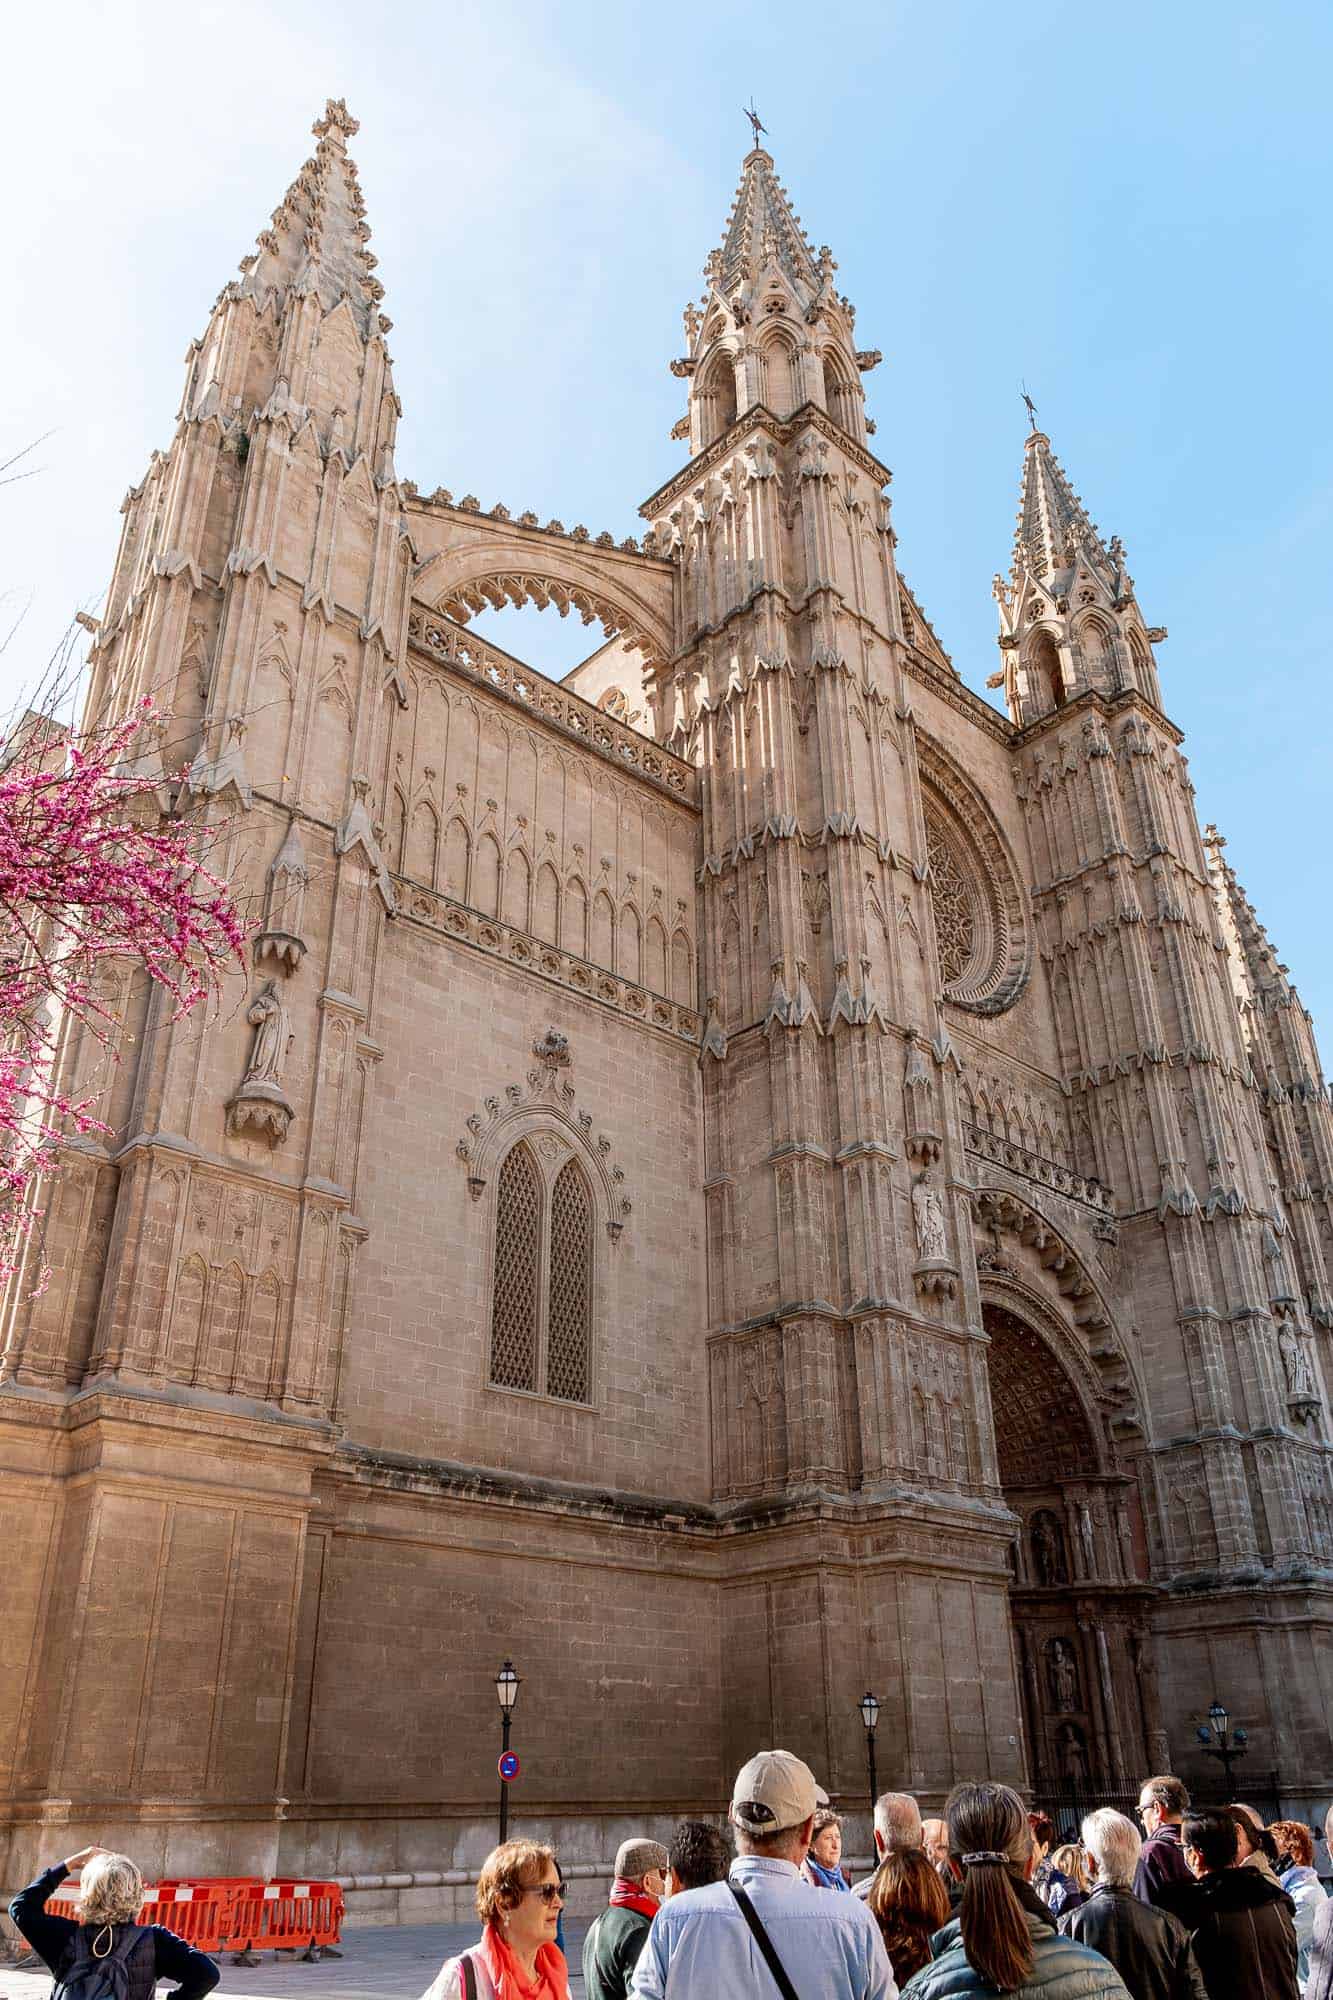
[(91, 869)]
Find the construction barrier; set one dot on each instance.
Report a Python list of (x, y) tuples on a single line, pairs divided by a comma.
[(240, 1914)]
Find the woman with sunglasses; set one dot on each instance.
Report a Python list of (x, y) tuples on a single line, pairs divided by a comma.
[(520, 1895)]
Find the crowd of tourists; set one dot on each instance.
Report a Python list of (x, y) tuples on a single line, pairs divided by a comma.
[(1207, 1904)]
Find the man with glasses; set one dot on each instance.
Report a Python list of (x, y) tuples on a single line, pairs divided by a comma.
[(1163, 1876)]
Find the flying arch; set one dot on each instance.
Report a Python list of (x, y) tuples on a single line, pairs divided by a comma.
[(468, 562)]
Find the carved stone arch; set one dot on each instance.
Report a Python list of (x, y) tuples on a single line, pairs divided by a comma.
[(456, 849), (682, 968), (780, 364), (1063, 1407), (1043, 675), (574, 928), (992, 963), (470, 561), (715, 393), (1035, 1264), (1096, 650), (842, 391), (525, 1121)]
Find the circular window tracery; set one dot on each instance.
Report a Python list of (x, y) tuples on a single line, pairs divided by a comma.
[(981, 930), (954, 900)]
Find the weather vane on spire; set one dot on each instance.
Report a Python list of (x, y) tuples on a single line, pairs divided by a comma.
[(755, 126), (1030, 406)]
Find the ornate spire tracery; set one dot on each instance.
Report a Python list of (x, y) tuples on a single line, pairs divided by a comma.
[(1069, 620), (316, 241), (771, 329)]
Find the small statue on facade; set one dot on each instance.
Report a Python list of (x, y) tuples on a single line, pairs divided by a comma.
[(268, 1017), (1073, 1753), (928, 1215), (261, 1104), (1087, 1538), (1048, 1551), (1062, 1673), (1296, 1363)]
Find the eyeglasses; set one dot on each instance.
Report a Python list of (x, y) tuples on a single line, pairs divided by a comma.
[(549, 1892)]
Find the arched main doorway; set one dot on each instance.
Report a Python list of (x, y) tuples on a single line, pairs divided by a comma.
[(1078, 1591)]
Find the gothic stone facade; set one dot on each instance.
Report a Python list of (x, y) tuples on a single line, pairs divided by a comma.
[(741, 1176)]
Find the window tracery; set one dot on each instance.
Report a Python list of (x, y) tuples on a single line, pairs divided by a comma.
[(570, 1313), (514, 1308), (541, 1313), (955, 904)]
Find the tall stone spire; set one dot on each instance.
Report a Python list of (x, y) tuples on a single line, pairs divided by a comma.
[(1053, 524), (317, 239), (771, 330), (763, 229), (1068, 616)]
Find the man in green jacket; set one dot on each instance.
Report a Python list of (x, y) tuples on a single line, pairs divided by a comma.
[(612, 1946)]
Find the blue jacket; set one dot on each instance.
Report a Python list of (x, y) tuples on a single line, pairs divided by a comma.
[(1062, 1969)]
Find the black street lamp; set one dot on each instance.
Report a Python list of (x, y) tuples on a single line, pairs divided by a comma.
[(1220, 1740), (869, 1708), (506, 1688)]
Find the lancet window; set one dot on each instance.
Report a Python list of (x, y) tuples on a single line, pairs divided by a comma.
[(542, 1296)]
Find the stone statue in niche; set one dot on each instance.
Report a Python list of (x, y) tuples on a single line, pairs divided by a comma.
[(1062, 1676), (261, 1104), (1048, 1550), (268, 1017), (928, 1214), (1296, 1363), (1087, 1539), (1072, 1751)]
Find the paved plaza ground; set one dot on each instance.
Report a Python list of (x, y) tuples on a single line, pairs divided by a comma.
[(396, 1963)]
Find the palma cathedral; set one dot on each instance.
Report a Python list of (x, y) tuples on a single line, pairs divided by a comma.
[(741, 1176)]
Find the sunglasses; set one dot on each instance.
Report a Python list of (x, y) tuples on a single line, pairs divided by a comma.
[(549, 1892)]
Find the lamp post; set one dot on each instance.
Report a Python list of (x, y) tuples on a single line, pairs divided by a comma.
[(506, 1689), (869, 1708), (1220, 1740)]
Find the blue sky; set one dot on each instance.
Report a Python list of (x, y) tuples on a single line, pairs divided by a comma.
[(1128, 210)]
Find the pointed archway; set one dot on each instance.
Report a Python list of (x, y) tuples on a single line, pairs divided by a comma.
[(1064, 1409)]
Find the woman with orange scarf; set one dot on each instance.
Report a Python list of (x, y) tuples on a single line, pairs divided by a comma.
[(520, 1894)]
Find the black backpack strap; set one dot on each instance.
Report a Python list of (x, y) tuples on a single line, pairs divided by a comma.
[(131, 1935), (765, 1943), (469, 1977)]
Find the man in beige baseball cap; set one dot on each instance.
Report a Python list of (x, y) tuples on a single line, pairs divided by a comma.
[(774, 1791), (765, 1930)]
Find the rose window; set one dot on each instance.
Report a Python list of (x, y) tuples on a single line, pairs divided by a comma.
[(954, 899)]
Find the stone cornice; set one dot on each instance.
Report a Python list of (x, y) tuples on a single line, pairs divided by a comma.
[(441, 501), (406, 1473), (782, 431), (959, 696), (1128, 702), (526, 953)]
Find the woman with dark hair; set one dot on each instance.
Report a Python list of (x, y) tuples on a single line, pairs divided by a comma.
[(1050, 1882), (1003, 1939), (909, 1902)]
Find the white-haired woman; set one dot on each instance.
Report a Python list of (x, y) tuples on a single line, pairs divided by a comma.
[(109, 1900)]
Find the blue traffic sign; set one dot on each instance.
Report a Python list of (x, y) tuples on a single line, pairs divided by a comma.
[(509, 1766)]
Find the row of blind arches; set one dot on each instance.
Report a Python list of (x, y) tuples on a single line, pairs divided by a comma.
[(559, 913), (541, 1308)]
